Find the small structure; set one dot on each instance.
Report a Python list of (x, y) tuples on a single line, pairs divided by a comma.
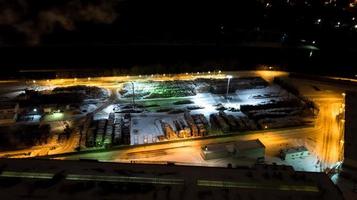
[(293, 153), (8, 112)]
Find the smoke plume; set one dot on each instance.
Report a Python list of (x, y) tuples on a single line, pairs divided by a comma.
[(36, 18)]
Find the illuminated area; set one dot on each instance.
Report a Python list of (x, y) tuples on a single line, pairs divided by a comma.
[(154, 107)]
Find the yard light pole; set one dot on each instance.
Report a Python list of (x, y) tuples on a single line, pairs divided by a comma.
[(229, 79), (132, 83)]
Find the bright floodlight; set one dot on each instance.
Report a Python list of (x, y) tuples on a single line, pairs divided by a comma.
[(343, 94), (35, 110), (229, 76)]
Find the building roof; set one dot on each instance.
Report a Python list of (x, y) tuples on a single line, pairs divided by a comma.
[(215, 148), (248, 144), (58, 179), (295, 150)]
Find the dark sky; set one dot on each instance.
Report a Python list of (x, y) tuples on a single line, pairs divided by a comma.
[(53, 22), (39, 22), (110, 33)]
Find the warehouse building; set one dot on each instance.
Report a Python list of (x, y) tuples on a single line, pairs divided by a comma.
[(64, 179)]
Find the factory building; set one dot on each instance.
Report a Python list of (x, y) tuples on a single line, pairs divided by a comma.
[(65, 179)]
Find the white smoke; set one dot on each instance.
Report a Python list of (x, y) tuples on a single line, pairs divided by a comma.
[(36, 21)]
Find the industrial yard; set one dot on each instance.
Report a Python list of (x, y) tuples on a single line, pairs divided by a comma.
[(162, 118), (157, 111)]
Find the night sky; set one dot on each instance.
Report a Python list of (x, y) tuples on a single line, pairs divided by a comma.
[(107, 33)]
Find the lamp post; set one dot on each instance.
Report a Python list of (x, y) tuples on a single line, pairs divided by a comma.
[(132, 83), (228, 81)]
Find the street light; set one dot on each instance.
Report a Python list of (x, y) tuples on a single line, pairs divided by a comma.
[(132, 83), (228, 80), (343, 94)]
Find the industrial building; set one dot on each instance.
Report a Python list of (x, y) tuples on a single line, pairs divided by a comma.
[(61, 179), (254, 149)]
